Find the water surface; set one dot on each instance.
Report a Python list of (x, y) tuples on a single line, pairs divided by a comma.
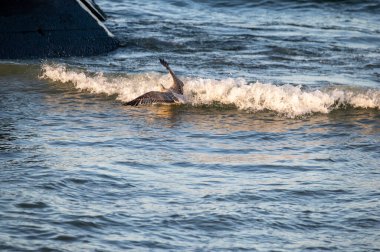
[(276, 150)]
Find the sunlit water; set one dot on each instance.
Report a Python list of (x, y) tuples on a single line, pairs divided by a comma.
[(277, 148)]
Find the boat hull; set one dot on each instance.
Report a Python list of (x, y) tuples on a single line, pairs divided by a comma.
[(52, 28)]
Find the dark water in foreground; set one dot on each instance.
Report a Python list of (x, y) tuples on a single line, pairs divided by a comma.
[(277, 150)]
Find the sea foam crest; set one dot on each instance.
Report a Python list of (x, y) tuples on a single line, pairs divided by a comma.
[(288, 100)]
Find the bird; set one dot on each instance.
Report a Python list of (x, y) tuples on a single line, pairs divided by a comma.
[(171, 95)]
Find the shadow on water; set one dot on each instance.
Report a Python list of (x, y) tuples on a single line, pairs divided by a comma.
[(7, 131), (19, 69)]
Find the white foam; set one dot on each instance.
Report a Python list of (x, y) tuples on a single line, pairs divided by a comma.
[(287, 100)]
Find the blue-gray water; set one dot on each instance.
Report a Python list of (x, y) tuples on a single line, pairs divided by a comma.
[(277, 150)]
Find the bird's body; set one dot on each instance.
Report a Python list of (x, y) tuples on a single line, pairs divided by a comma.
[(171, 95)]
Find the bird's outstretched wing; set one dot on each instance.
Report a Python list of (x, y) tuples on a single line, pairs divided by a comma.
[(177, 83), (153, 97)]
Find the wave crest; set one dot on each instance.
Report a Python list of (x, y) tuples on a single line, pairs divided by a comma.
[(288, 100)]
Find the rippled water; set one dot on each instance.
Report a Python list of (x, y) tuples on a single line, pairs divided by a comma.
[(277, 148)]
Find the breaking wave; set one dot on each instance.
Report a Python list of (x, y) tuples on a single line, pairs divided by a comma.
[(288, 100)]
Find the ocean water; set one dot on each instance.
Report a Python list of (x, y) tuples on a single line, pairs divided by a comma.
[(276, 149)]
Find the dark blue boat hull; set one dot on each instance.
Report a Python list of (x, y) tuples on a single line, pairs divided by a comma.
[(52, 28)]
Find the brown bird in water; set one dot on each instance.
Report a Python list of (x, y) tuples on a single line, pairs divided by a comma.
[(174, 94)]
